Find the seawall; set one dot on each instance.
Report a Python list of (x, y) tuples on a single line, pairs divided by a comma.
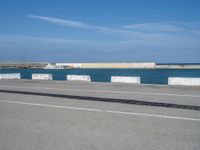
[(108, 65), (145, 65), (177, 66)]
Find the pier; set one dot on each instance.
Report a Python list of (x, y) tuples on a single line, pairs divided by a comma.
[(69, 112), (24, 65), (144, 65)]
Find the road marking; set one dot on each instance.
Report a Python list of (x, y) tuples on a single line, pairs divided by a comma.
[(101, 110), (100, 91)]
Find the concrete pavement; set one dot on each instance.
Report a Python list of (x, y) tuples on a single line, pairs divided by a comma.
[(151, 93), (40, 122)]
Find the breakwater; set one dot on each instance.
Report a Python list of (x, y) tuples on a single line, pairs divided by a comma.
[(144, 65)]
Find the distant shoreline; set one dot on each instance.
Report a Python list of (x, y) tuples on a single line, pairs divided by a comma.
[(145, 65)]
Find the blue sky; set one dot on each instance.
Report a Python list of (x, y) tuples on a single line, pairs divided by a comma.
[(161, 31)]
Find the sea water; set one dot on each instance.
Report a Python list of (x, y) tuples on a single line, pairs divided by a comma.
[(148, 76)]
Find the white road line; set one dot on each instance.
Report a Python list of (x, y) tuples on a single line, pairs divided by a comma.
[(100, 91), (101, 110)]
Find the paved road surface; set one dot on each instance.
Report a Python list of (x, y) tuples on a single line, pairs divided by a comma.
[(49, 123)]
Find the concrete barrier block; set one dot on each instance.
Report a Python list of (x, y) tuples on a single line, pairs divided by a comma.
[(79, 78), (41, 76), (10, 76), (184, 81), (125, 79)]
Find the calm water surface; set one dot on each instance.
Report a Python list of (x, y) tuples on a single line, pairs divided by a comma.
[(148, 76)]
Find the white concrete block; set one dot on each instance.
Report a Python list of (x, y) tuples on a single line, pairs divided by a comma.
[(10, 76), (42, 76), (79, 78), (125, 79), (184, 81)]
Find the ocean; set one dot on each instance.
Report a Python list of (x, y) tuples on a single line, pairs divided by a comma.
[(148, 76)]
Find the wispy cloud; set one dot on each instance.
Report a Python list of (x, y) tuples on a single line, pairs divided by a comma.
[(77, 24), (13, 40), (139, 31), (151, 47), (163, 27), (127, 42), (25, 38), (68, 23), (64, 22)]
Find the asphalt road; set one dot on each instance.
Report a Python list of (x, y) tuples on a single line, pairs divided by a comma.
[(45, 123), (151, 93)]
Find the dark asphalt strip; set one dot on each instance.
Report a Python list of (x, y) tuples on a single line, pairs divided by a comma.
[(114, 100)]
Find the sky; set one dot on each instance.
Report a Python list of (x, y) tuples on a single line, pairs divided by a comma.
[(162, 31)]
